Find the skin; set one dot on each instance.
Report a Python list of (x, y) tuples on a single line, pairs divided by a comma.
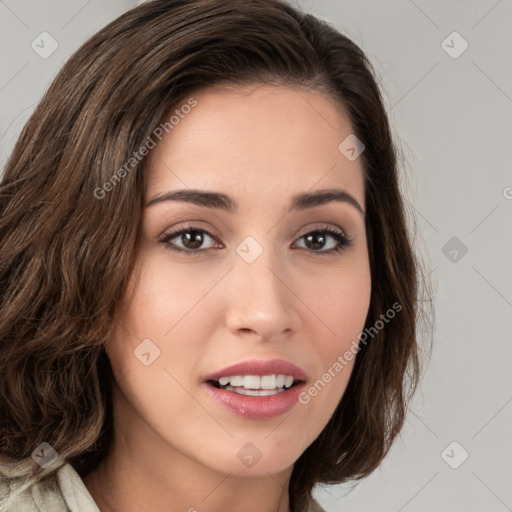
[(175, 447)]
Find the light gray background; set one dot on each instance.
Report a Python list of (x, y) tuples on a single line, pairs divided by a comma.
[(453, 116)]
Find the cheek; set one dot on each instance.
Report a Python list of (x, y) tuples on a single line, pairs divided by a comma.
[(340, 305), (339, 300), (149, 327), (166, 293)]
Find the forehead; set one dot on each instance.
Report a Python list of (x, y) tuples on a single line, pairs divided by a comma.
[(256, 141)]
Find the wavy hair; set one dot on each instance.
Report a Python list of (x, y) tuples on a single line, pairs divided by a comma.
[(66, 256)]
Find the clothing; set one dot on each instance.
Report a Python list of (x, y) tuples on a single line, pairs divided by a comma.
[(65, 492)]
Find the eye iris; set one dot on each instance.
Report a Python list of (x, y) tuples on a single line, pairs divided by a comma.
[(313, 236), (196, 238)]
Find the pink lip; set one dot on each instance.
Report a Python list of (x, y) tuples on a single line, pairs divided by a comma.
[(255, 367), (258, 407)]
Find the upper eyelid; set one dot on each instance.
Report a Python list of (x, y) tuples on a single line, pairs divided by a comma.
[(317, 226)]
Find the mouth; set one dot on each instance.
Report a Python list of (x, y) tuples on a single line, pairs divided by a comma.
[(257, 389)]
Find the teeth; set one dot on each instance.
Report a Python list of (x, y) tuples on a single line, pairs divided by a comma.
[(288, 381), (268, 382), (237, 380), (252, 382), (255, 382)]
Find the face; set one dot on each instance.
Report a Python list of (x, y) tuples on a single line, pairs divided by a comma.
[(258, 283)]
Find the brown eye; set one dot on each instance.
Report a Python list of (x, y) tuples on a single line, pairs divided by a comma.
[(191, 238), (316, 240)]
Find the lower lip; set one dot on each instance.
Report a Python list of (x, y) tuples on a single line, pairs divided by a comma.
[(257, 407)]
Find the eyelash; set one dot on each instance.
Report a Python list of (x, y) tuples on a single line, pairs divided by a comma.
[(343, 241)]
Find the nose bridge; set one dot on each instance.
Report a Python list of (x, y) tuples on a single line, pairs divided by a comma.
[(260, 299)]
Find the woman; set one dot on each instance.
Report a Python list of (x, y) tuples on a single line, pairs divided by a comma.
[(209, 294)]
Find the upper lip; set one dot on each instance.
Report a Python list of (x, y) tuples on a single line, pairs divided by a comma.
[(258, 367)]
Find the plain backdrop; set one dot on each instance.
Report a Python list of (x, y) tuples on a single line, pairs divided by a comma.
[(448, 88)]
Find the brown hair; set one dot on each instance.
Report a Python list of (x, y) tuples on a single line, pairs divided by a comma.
[(66, 256)]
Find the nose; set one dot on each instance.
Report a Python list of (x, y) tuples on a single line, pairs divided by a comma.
[(261, 299)]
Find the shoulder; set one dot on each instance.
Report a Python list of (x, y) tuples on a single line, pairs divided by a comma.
[(62, 491), (23, 494)]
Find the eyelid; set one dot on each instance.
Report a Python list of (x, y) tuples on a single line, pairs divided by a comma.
[(343, 241), (192, 225), (320, 226), (176, 231), (211, 231)]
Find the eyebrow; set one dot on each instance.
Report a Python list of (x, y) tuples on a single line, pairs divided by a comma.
[(222, 201)]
